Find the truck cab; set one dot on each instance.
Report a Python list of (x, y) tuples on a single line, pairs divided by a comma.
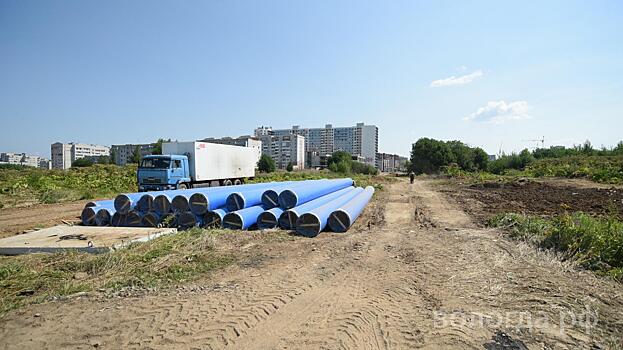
[(163, 172)]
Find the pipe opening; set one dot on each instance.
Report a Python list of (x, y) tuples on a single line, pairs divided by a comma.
[(270, 199), (308, 225), (287, 199), (287, 220), (232, 221), (266, 220), (199, 203), (180, 204), (339, 221)]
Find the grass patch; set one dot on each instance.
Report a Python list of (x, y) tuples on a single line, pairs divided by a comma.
[(596, 243), (166, 260), (28, 185)]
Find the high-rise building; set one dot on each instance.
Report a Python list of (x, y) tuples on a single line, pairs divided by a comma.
[(123, 154), (285, 149), (63, 154), (360, 141)]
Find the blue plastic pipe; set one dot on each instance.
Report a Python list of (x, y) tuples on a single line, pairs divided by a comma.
[(146, 203), (151, 219), (270, 197), (186, 220), (314, 221), (201, 202), (287, 219), (269, 218), (126, 202), (243, 199), (103, 216), (106, 203), (118, 219), (302, 194), (214, 218), (242, 219), (88, 214), (342, 219), (134, 218)]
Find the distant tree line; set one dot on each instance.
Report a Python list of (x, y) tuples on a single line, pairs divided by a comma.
[(343, 163), (431, 156)]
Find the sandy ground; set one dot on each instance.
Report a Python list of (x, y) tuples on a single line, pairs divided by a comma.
[(415, 272), (18, 220)]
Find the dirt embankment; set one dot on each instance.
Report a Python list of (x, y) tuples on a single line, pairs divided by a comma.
[(547, 197), (415, 272)]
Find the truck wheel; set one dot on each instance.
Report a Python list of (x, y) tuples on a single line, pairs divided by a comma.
[(237, 182), (182, 187), (227, 182)]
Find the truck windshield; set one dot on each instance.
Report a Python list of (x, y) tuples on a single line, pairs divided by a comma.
[(156, 163)]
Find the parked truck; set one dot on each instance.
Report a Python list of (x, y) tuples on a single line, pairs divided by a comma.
[(196, 164)]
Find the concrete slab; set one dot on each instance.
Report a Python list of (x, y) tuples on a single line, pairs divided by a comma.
[(83, 238)]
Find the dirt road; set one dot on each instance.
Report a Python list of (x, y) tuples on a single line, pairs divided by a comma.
[(421, 275)]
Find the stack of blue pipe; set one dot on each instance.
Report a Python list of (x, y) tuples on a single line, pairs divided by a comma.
[(307, 207)]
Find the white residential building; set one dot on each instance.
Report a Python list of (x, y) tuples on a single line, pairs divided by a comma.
[(285, 149), (360, 141), (24, 159), (63, 154), (123, 154)]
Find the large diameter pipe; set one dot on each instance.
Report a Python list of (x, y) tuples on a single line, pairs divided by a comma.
[(146, 203), (187, 219), (151, 219), (118, 219), (126, 202), (214, 218), (270, 197), (88, 214), (104, 203), (342, 219), (201, 202), (287, 219), (242, 219), (314, 221), (134, 218), (292, 197), (243, 199), (269, 218), (103, 216)]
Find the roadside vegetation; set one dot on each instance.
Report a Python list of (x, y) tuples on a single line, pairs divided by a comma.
[(454, 158), (595, 243), (28, 185), (167, 260)]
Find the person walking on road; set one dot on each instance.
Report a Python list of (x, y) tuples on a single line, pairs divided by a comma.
[(411, 176)]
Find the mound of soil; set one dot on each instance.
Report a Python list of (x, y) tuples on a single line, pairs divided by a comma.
[(483, 201)]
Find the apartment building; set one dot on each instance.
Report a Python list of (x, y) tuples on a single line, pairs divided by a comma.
[(285, 149), (243, 141), (123, 154), (360, 141), (63, 154), (24, 159), (390, 163)]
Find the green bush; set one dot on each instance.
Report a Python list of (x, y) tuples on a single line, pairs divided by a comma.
[(429, 156), (593, 242)]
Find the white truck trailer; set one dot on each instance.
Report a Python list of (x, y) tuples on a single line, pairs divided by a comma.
[(196, 164)]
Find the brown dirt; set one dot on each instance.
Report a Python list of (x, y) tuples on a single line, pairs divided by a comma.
[(17, 220), (545, 197), (415, 272)]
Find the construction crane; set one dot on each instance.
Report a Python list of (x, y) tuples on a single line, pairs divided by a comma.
[(541, 140)]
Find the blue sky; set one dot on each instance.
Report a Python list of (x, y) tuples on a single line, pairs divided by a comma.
[(490, 73)]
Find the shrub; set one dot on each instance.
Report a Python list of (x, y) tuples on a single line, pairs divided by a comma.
[(82, 162)]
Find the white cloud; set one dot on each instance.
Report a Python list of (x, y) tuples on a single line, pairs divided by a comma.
[(498, 112), (464, 79)]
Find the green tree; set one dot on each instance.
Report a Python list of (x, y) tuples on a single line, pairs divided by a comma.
[(266, 164), (339, 156), (136, 156), (113, 156), (290, 166), (481, 159), (157, 149), (82, 162), (429, 155)]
